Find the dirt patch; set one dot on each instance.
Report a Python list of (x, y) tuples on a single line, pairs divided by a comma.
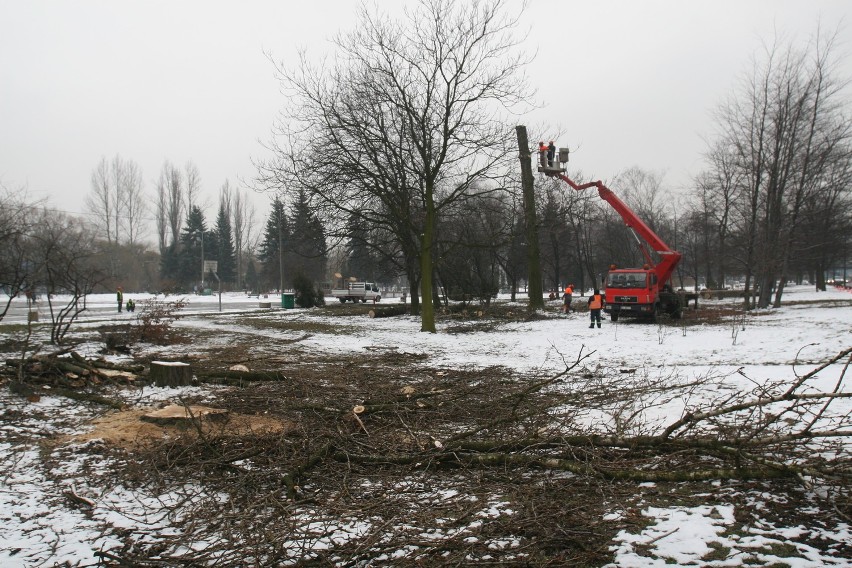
[(127, 428)]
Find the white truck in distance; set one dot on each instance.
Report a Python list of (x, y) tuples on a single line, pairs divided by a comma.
[(357, 292)]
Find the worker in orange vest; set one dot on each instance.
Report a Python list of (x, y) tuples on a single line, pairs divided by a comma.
[(566, 299), (542, 154), (596, 304)]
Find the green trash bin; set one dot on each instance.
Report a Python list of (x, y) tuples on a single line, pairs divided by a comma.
[(288, 300)]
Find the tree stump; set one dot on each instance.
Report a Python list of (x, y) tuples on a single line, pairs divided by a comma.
[(175, 414), (170, 373)]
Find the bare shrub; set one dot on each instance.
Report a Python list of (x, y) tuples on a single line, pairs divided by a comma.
[(155, 318)]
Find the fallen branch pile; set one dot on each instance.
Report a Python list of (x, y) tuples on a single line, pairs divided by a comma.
[(71, 370), (412, 463)]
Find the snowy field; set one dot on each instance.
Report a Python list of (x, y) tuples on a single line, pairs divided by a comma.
[(39, 527)]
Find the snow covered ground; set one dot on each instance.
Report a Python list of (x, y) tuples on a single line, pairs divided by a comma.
[(39, 527)]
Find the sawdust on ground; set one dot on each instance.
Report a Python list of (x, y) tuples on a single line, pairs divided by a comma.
[(128, 429)]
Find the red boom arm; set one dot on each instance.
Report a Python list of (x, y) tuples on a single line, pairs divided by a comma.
[(668, 257)]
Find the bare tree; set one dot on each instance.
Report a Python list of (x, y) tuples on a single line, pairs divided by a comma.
[(192, 179), (242, 223), (643, 190), (162, 213), (17, 267), (410, 119), (101, 201), (134, 207), (69, 261), (175, 201), (781, 129), (116, 201)]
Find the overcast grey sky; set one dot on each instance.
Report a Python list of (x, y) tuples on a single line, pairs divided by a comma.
[(630, 82)]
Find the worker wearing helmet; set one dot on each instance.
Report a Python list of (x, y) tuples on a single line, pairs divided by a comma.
[(596, 304), (566, 299), (542, 154)]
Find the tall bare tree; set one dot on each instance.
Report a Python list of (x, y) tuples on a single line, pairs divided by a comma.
[(192, 184), (134, 208), (242, 223), (407, 123), (782, 127), (175, 202), (161, 215), (101, 201), (116, 201)]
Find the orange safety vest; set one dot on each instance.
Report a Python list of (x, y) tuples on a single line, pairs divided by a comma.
[(596, 302)]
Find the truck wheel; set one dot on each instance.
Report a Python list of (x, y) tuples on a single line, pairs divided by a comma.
[(613, 316), (342, 300), (378, 299)]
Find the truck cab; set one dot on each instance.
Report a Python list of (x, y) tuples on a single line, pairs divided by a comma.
[(634, 292)]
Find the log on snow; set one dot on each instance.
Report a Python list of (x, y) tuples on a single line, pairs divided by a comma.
[(388, 311)]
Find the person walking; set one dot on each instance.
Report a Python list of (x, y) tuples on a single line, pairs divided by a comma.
[(566, 299), (596, 304), (120, 297)]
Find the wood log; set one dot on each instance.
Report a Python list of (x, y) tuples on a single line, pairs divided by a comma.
[(170, 373), (388, 311)]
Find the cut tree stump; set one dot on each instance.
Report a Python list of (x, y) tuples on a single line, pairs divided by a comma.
[(175, 414), (388, 311), (170, 373)]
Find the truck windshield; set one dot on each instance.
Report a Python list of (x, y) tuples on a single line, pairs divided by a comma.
[(626, 280)]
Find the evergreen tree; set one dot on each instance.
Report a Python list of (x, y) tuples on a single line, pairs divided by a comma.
[(252, 278), (307, 243), (275, 238), (225, 247), (192, 241), (170, 267)]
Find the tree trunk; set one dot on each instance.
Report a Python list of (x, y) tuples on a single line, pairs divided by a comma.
[(427, 309), (534, 288), (388, 311), (170, 374)]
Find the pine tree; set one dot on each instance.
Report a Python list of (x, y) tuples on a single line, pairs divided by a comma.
[(308, 246), (252, 279), (192, 240), (225, 247), (275, 239)]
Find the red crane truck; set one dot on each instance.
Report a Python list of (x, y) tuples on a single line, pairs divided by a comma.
[(637, 292)]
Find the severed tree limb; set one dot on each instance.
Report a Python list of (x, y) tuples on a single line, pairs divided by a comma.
[(691, 418), (456, 459), (225, 376), (518, 398), (292, 478)]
